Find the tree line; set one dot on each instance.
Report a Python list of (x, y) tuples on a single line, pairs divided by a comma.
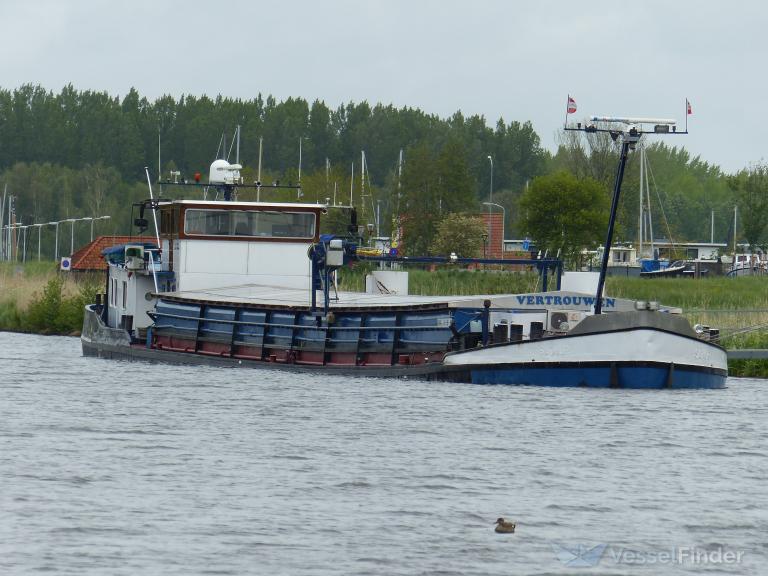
[(82, 153)]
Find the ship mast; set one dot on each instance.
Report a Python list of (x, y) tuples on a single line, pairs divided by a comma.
[(629, 130)]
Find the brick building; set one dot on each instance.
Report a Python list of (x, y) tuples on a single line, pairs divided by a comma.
[(494, 224)]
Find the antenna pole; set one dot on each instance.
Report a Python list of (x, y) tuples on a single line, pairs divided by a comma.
[(611, 222), (237, 150), (154, 212)]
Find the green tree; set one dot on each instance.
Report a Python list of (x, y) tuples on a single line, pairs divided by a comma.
[(433, 185), (419, 205), (751, 189), (456, 187), (461, 234), (565, 214)]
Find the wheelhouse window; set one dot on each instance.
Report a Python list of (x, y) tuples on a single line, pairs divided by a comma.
[(249, 223), (168, 219)]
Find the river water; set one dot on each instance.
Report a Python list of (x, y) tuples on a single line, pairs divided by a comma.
[(110, 467)]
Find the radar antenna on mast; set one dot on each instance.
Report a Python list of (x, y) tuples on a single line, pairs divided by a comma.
[(629, 129)]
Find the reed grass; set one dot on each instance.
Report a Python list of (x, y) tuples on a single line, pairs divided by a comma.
[(748, 368), (36, 297), (444, 281), (716, 293)]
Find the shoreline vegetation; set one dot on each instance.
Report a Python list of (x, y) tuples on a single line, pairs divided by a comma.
[(36, 298)]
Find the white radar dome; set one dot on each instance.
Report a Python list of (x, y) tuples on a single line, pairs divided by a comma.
[(222, 172)]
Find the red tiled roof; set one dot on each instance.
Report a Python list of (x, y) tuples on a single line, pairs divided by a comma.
[(89, 256)]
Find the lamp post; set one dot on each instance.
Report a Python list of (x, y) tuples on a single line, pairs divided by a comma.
[(490, 195), (24, 250), (56, 249), (72, 242), (503, 219), (93, 220), (13, 241), (39, 235), (85, 219)]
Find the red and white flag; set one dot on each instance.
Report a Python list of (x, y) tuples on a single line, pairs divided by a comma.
[(572, 105), (688, 109)]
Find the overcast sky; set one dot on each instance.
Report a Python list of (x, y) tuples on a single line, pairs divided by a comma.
[(496, 58)]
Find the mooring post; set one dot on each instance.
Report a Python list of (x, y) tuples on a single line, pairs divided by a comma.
[(485, 320)]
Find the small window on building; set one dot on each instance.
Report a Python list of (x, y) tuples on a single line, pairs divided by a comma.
[(692, 253)]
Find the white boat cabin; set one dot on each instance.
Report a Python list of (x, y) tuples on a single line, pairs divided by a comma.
[(209, 245), (215, 244)]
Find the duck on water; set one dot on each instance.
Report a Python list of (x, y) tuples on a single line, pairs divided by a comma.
[(504, 526)]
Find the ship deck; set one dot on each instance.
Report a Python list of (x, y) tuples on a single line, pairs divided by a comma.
[(277, 296)]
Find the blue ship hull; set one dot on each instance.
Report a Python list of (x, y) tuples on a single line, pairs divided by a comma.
[(102, 341), (640, 376)]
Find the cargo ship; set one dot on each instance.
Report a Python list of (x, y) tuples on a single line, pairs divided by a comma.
[(252, 284)]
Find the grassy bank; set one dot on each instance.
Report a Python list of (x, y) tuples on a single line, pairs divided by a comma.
[(36, 297), (448, 280), (714, 293)]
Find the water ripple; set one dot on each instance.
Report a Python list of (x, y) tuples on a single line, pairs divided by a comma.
[(128, 468)]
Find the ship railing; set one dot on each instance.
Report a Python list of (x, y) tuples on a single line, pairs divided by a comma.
[(397, 336), (279, 325)]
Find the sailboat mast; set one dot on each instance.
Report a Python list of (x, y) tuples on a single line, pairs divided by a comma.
[(362, 182), (640, 219), (352, 185), (2, 213), (648, 197), (258, 174), (299, 193)]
